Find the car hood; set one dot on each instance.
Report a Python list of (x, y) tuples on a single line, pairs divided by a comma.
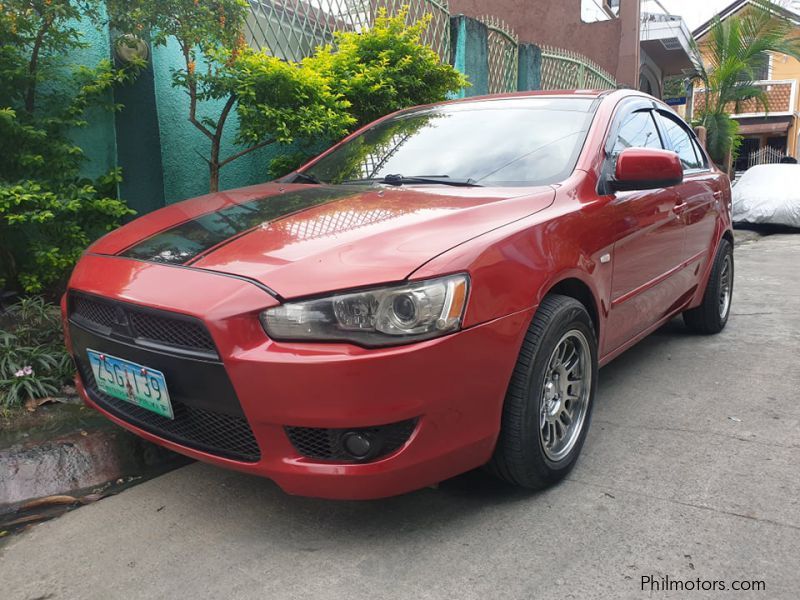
[(306, 239)]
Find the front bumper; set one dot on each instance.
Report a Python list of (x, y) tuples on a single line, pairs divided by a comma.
[(452, 387)]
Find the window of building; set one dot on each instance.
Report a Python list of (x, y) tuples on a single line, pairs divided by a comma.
[(593, 11), (762, 69)]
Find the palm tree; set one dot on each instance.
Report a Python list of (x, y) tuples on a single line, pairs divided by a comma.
[(734, 53)]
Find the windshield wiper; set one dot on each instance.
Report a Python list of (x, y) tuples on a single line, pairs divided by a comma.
[(301, 177), (397, 179)]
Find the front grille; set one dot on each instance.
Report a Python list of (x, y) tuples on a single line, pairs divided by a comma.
[(96, 311), (216, 433), (148, 325), (326, 444), (171, 331)]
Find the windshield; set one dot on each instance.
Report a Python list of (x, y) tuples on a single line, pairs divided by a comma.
[(509, 142)]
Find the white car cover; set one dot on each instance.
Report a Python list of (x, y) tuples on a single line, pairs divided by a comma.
[(768, 194)]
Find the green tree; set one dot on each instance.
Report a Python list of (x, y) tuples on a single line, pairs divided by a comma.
[(275, 101), (732, 56), (48, 213)]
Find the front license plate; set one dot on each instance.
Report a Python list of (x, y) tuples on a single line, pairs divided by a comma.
[(133, 383)]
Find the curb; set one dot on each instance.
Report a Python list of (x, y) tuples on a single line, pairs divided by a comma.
[(75, 462)]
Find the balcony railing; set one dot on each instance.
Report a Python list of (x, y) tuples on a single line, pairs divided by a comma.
[(781, 100)]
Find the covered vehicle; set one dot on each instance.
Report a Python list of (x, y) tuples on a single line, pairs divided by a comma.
[(433, 294), (769, 195)]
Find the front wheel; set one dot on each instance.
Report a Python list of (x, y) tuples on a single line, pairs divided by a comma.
[(549, 401), (712, 315)]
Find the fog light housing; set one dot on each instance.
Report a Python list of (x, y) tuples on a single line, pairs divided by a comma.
[(349, 444), (359, 445)]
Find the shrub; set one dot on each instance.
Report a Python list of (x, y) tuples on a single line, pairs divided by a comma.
[(386, 68), (48, 213), (379, 71), (34, 363), (44, 229)]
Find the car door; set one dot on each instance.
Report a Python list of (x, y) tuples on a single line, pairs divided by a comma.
[(700, 194), (648, 250)]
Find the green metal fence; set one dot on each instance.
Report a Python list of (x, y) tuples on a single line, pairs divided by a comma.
[(503, 55), (563, 69), (292, 29)]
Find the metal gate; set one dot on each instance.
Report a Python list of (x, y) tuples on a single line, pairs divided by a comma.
[(292, 29), (564, 70), (764, 156), (503, 55)]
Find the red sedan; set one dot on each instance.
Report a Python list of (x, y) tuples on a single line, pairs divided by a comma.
[(434, 294)]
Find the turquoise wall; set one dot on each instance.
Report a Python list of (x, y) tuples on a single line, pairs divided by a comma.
[(185, 173), (97, 138)]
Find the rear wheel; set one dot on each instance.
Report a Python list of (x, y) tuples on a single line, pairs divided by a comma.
[(549, 401), (712, 315)]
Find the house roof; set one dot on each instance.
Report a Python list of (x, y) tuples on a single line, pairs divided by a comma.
[(735, 7)]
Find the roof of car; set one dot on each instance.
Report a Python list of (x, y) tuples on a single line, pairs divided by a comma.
[(538, 93), (576, 93)]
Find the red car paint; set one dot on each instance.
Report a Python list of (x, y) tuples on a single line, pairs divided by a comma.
[(635, 258)]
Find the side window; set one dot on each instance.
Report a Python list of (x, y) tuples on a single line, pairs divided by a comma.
[(681, 142), (638, 130)]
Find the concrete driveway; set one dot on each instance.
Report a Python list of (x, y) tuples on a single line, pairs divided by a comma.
[(691, 471)]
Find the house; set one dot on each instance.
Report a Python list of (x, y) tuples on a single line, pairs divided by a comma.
[(768, 134), (638, 42), (666, 48)]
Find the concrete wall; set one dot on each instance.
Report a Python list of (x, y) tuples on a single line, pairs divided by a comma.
[(177, 163), (97, 138), (613, 44)]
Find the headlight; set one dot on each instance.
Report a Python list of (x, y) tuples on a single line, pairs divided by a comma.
[(375, 317)]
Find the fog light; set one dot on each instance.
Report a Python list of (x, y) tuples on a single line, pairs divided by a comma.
[(358, 445)]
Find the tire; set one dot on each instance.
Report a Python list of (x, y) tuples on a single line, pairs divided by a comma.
[(536, 397), (712, 315)]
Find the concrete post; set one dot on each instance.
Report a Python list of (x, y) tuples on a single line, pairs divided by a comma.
[(702, 135), (530, 68), (139, 143), (629, 65), (469, 53)]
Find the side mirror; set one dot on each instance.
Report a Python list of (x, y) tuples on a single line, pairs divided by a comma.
[(646, 169)]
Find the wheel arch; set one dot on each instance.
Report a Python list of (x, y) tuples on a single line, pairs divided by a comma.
[(728, 235), (578, 289)]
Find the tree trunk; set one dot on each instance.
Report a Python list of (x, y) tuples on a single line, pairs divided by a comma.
[(213, 177), (33, 66), (213, 162)]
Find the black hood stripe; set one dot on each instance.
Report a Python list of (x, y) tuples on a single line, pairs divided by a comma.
[(192, 239)]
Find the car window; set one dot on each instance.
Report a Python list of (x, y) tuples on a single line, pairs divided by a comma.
[(681, 142), (533, 141), (638, 130)]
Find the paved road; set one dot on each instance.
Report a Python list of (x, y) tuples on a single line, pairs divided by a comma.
[(691, 470)]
